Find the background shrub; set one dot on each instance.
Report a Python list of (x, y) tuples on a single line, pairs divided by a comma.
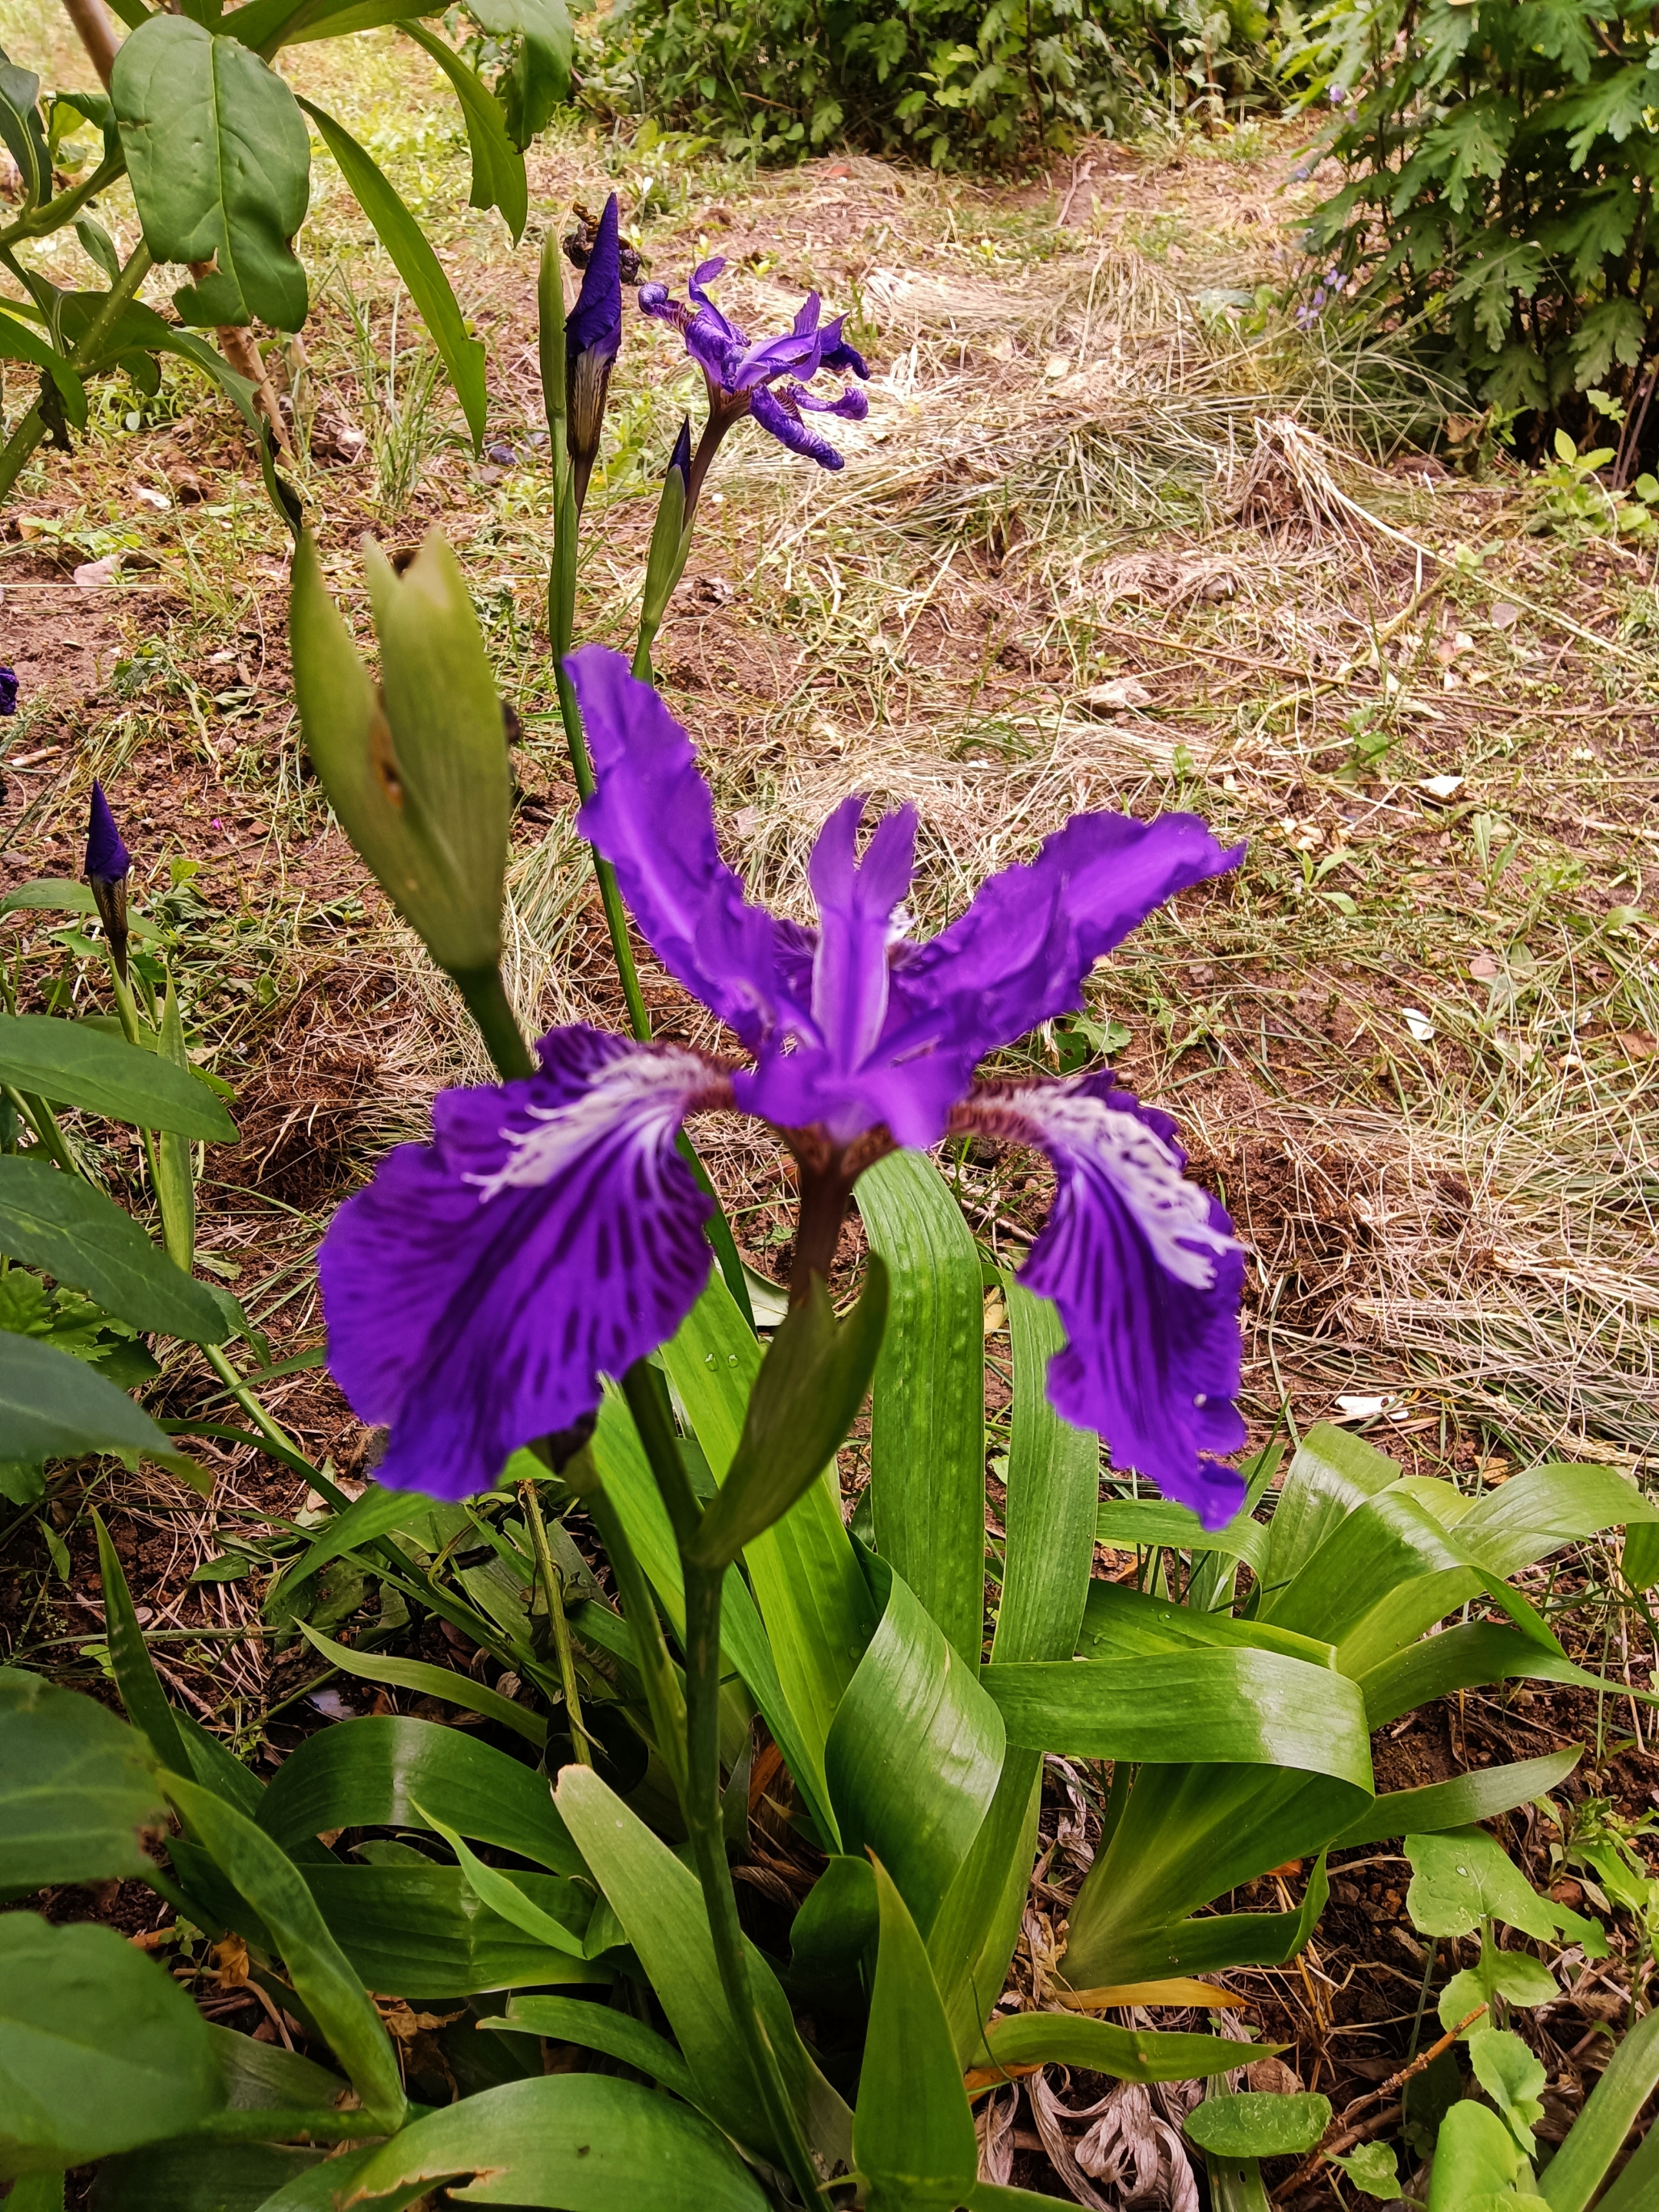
[(955, 82), (1501, 160)]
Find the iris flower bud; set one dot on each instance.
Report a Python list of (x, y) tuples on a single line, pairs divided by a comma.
[(593, 338), (414, 767), (108, 864)]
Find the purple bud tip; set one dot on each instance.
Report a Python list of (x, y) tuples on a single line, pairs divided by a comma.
[(107, 858), (7, 691), (680, 459), (595, 324)]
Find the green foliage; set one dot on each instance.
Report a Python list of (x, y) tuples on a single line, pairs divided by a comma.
[(1499, 164), (957, 83)]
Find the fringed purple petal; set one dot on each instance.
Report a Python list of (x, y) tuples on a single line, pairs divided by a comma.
[(595, 322), (837, 357), (478, 1289), (794, 354), (852, 406), (653, 819), (1147, 1275), (777, 413), (107, 858), (1021, 951)]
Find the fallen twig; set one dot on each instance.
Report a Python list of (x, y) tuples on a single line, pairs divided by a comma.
[(1350, 2131)]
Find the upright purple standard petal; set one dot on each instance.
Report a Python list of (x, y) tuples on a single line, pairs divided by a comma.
[(1146, 1274), (595, 322), (1019, 954), (653, 819), (107, 858), (478, 1289), (7, 691)]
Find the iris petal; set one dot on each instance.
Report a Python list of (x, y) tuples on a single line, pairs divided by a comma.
[(551, 1233), (653, 819), (1146, 1274)]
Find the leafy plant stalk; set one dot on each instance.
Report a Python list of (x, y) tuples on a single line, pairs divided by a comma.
[(553, 1592), (29, 432)]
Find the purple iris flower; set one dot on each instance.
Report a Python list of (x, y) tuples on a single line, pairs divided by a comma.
[(767, 380), (551, 1233), (7, 691)]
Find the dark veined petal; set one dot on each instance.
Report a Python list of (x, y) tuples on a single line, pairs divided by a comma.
[(1147, 1275), (778, 413), (836, 355), (1021, 951), (551, 1233), (653, 819), (794, 354)]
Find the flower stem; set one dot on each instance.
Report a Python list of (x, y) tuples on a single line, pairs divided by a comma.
[(553, 1591), (487, 1002), (701, 1796), (663, 1694)]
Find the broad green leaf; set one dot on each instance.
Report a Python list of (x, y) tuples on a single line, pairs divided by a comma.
[(540, 77), (1514, 1976), (20, 133), (1512, 2078), (1125, 1521), (418, 266), (583, 2142), (274, 1887), (1465, 1876), (1252, 2124), (805, 1398), (598, 2027), (832, 1935), (505, 1898), (1122, 1623), (135, 1675), (75, 1066), (1129, 2054), (217, 1768), (53, 1405), (1054, 1482), (418, 1930), (1465, 1658), (498, 173), (78, 1788), (1254, 1707), (1372, 2167), (63, 895), (37, 2192), (914, 1752), (63, 1225), (1479, 1795), (220, 169), (429, 1682), (100, 2048), (971, 1941), (1474, 2159), (1598, 2134), (213, 2176), (807, 1583), (369, 1773), (913, 2134), (928, 1413), (263, 2077), (659, 1904), (1537, 1512), (19, 342), (1331, 1474)]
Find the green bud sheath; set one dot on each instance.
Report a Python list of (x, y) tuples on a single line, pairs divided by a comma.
[(417, 773)]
